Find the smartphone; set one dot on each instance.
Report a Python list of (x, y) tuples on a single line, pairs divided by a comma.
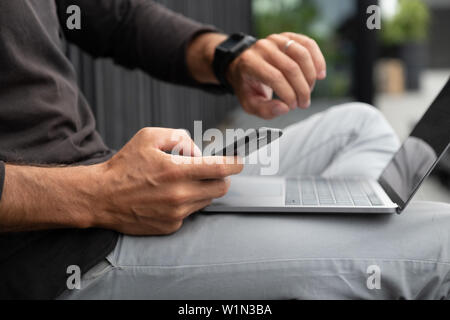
[(250, 142)]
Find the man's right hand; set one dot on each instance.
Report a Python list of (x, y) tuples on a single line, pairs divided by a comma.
[(146, 192), (142, 190)]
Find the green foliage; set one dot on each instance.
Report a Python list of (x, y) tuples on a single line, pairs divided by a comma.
[(286, 16), (410, 24)]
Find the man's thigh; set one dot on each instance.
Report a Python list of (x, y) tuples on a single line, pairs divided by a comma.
[(255, 256)]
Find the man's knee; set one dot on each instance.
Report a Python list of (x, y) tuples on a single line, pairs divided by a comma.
[(358, 112), (366, 122)]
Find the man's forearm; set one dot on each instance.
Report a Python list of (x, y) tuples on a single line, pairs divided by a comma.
[(136, 34), (36, 198), (200, 56)]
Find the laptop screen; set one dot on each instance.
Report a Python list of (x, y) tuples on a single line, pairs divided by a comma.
[(420, 152)]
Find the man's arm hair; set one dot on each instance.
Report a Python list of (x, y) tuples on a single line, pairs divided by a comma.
[(37, 198), (136, 34)]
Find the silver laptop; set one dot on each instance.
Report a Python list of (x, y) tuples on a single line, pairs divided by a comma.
[(391, 193)]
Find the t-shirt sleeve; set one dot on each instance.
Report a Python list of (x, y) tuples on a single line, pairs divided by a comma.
[(136, 34)]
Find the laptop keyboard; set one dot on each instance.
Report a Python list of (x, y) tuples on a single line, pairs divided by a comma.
[(316, 191)]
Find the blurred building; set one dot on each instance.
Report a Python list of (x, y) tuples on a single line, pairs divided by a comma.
[(438, 42)]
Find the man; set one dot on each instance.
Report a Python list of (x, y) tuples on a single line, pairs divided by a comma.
[(68, 201)]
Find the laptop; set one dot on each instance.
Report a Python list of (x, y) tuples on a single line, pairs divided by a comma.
[(391, 193)]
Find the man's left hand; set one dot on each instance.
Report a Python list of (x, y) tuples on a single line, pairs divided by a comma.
[(290, 69)]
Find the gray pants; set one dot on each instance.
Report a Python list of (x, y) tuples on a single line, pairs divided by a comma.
[(281, 256)]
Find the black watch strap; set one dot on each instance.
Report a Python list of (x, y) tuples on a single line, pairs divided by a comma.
[(226, 52)]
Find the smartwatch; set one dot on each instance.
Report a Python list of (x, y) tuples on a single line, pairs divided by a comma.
[(226, 52)]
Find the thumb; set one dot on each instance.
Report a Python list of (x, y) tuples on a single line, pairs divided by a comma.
[(266, 109)]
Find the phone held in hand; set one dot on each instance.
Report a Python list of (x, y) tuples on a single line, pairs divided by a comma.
[(249, 142)]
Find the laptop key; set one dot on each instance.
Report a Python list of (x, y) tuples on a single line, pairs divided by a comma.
[(310, 202), (309, 197), (376, 202), (340, 192), (357, 193), (324, 192), (373, 198)]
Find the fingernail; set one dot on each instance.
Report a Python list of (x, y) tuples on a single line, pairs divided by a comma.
[(279, 110), (322, 74), (307, 104)]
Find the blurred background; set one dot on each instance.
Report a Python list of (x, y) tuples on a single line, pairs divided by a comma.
[(398, 69)]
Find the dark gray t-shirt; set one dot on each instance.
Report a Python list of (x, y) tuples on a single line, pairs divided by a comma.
[(45, 119)]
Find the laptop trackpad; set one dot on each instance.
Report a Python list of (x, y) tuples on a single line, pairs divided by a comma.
[(252, 192), (256, 187)]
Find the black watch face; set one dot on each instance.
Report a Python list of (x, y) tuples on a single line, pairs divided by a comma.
[(232, 41)]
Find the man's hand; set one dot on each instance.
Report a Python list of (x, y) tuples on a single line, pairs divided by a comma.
[(140, 191), (147, 192), (268, 66)]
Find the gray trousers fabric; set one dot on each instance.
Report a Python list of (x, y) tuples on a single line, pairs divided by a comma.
[(285, 256)]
